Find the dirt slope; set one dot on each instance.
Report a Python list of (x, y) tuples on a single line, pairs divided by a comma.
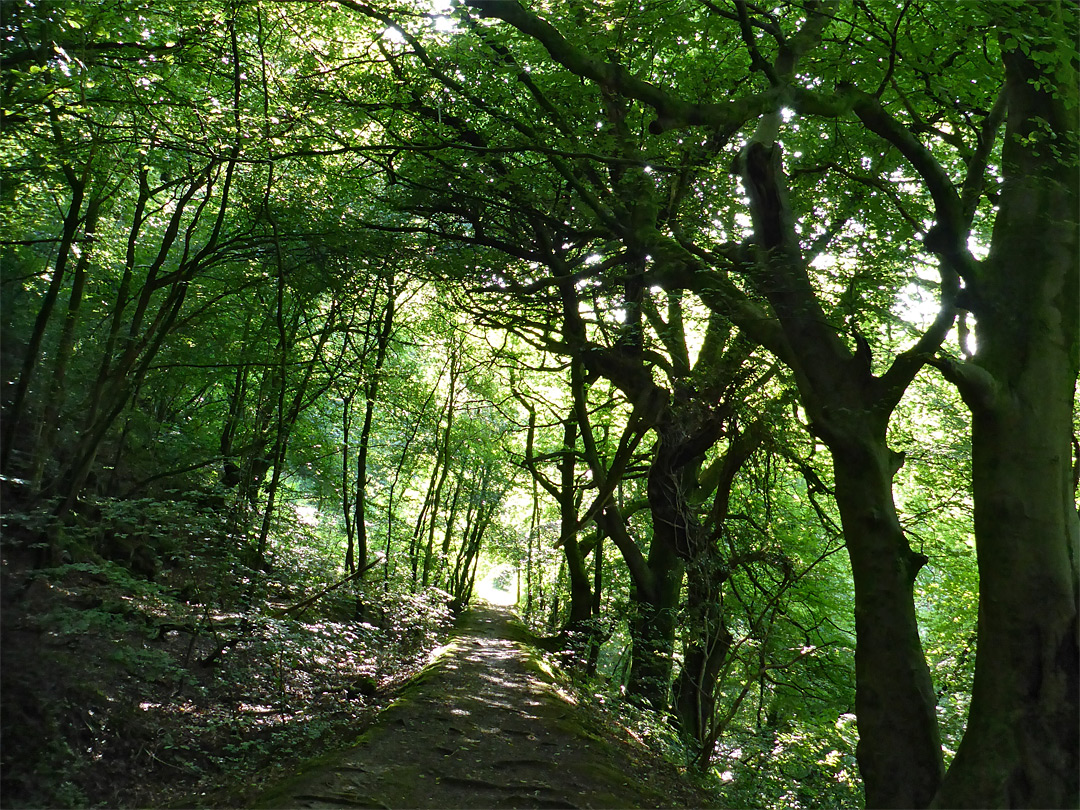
[(487, 725)]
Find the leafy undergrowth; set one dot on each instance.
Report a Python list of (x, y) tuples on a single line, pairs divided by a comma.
[(124, 692), (779, 762)]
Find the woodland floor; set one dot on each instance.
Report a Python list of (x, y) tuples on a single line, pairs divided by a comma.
[(489, 725)]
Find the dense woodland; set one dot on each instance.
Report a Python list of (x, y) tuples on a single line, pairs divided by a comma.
[(739, 341)]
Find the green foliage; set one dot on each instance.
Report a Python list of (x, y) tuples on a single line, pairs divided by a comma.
[(791, 764), (112, 678), (210, 208)]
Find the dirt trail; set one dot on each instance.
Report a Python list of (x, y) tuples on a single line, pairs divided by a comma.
[(486, 725)]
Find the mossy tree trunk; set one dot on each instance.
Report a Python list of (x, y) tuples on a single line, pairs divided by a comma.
[(1021, 747), (652, 627), (706, 650), (899, 751), (580, 588)]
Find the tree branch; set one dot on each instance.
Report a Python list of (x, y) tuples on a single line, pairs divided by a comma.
[(671, 110)]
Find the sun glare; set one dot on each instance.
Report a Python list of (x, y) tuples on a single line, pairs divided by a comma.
[(500, 586)]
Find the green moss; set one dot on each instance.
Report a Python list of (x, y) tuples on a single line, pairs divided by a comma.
[(541, 669), (284, 791)]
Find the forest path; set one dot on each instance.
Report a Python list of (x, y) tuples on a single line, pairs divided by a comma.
[(486, 725)]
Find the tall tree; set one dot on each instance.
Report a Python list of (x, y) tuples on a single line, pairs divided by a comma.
[(383, 332), (849, 387), (1022, 742)]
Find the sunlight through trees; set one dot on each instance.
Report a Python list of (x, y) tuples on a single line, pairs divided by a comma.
[(734, 345)]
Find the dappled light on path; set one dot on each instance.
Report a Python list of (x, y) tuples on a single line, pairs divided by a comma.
[(489, 724)]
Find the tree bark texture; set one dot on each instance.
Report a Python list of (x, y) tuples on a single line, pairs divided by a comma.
[(652, 627), (580, 589), (14, 413), (371, 393), (707, 646), (899, 749)]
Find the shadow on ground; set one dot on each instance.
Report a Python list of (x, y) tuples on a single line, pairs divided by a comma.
[(487, 725)]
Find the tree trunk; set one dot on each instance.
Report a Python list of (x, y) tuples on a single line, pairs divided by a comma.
[(47, 436), (124, 381), (597, 639), (360, 501), (288, 419), (14, 414), (580, 590), (899, 749), (708, 639), (282, 427), (534, 520), (230, 471), (677, 535), (1021, 747), (346, 501), (708, 642), (428, 517), (116, 381), (448, 536), (469, 554), (556, 590), (652, 627), (472, 517), (372, 393)]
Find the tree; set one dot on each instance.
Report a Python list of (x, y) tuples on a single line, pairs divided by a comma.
[(173, 209), (848, 394), (381, 338), (701, 232), (1021, 745)]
